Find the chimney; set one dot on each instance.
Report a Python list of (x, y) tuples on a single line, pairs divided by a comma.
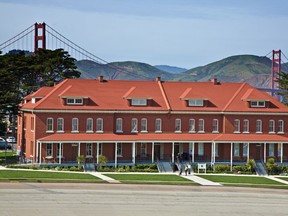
[(100, 79), (158, 79), (215, 81)]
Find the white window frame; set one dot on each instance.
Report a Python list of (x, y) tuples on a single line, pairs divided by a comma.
[(99, 125), (74, 101), (258, 126), (144, 125), (178, 125), (200, 149), (271, 126), (119, 149), (271, 150), (158, 125), (138, 102), (75, 125), (245, 149), (89, 125), (89, 149), (192, 128), (215, 126), (216, 149), (134, 125), (196, 103), (119, 125), (49, 125), (236, 149), (245, 126), (60, 125), (143, 149), (201, 126), (236, 126), (255, 104), (49, 150), (280, 127)]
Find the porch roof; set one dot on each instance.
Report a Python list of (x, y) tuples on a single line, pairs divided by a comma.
[(163, 137)]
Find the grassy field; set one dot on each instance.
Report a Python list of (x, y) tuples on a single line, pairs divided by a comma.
[(150, 179), (251, 181), (40, 176)]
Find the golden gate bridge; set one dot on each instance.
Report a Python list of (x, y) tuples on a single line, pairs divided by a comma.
[(43, 36)]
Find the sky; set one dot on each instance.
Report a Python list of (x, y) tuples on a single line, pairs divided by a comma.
[(182, 33)]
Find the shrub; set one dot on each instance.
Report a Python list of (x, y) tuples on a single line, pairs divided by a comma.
[(222, 168)]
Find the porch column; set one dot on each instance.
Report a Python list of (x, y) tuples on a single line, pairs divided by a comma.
[(60, 153), (231, 155), (212, 152), (193, 151), (264, 152), (79, 149), (281, 157), (97, 153), (173, 152), (115, 154), (152, 152), (37, 159), (40, 152), (133, 153), (248, 151)]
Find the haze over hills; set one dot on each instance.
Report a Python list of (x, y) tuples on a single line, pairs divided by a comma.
[(252, 69), (171, 69)]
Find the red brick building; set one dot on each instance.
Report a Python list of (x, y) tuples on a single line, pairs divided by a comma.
[(136, 121)]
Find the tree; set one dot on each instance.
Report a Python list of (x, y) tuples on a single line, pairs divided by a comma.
[(283, 84)]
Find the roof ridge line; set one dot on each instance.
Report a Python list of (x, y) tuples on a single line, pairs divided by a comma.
[(164, 95), (53, 90), (233, 97)]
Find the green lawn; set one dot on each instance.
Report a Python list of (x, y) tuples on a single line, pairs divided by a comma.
[(150, 179), (254, 181), (40, 176), (284, 178)]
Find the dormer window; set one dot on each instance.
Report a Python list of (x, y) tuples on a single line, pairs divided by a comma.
[(257, 103), (138, 102), (196, 102), (75, 101)]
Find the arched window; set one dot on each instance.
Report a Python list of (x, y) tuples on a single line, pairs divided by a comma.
[(99, 125)]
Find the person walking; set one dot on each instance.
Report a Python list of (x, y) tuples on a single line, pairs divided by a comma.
[(180, 169), (189, 168)]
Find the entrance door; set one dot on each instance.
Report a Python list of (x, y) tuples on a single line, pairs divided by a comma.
[(74, 153), (157, 152), (176, 150), (258, 155)]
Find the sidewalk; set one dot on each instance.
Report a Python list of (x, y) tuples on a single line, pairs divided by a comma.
[(105, 178), (276, 179), (201, 181)]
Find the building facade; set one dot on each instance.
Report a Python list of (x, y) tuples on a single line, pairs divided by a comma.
[(147, 121)]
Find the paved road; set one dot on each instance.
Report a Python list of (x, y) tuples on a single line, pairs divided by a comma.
[(46, 199)]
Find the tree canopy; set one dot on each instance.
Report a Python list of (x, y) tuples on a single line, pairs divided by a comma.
[(22, 73), (283, 84)]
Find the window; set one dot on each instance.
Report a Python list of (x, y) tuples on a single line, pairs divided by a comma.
[(75, 125), (60, 125), (89, 125), (158, 125), (119, 149), (236, 126), (49, 149), (99, 125), (236, 149), (200, 149), (246, 126), (216, 150), (177, 125), (49, 125), (257, 103), (119, 123), (258, 126), (58, 151), (191, 125), (280, 126), (271, 150), (143, 150), (201, 126), (138, 102), (89, 149), (245, 149), (134, 125), (195, 102), (75, 101), (271, 126), (100, 148), (215, 126), (143, 125), (32, 124)]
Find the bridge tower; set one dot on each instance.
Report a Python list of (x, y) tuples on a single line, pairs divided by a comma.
[(40, 36), (275, 69)]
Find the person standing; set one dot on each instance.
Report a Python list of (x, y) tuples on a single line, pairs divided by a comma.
[(189, 168), (186, 169)]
